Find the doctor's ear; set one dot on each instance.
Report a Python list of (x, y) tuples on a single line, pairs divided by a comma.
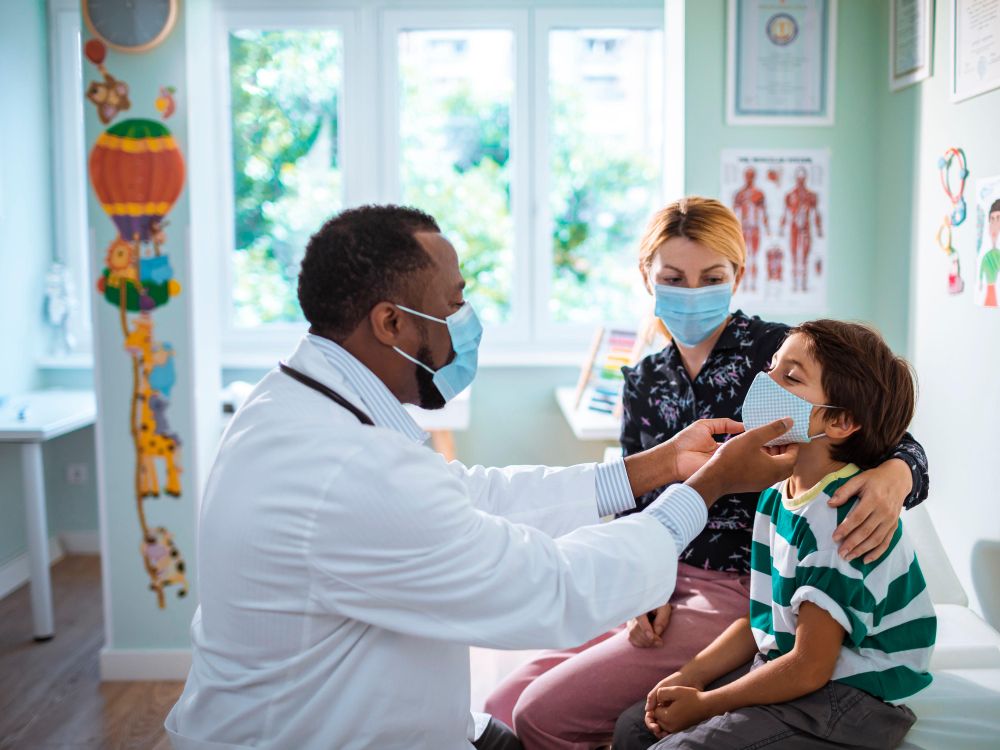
[(386, 321), (840, 425)]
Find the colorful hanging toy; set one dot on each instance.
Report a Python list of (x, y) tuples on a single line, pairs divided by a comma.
[(957, 199), (137, 172), (956, 217), (955, 283)]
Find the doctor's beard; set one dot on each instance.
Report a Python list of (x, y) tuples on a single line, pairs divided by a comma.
[(430, 397)]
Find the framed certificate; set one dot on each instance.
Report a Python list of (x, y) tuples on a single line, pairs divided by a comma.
[(911, 42), (781, 62), (975, 47)]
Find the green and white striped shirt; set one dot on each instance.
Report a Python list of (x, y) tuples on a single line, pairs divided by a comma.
[(884, 606)]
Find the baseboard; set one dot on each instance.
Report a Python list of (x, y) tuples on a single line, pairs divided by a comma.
[(128, 665), (80, 542), (15, 573)]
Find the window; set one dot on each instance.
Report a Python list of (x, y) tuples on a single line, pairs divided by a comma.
[(534, 137), (69, 156), (456, 95)]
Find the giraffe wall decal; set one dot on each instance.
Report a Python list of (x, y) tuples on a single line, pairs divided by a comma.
[(137, 171)]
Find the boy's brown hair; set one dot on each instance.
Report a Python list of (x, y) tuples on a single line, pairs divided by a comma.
[(870, 383)]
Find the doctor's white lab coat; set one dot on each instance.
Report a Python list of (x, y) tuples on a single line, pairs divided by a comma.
[(344, 570)]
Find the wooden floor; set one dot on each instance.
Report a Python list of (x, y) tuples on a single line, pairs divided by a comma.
[(50, 693)]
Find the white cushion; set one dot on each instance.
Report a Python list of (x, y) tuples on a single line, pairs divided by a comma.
[(960, 710), (942, 582), (964, 640)]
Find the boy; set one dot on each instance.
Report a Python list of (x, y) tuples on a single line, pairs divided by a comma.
[(834, 645)]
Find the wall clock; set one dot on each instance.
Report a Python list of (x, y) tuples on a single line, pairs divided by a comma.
[(130, 25)]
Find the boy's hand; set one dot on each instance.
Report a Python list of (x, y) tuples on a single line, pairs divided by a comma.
[(677, 709), (677, 679), (646, 631)]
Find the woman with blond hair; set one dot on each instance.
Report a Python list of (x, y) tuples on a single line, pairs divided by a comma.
[(692, 259)]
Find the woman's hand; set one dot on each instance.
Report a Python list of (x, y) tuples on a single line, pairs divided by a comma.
[(645, 634), (869, 527)]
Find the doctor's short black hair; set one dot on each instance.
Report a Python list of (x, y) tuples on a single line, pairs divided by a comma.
[(357, 259)]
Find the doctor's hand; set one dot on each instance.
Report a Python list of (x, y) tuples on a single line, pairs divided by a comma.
[(678, 458), (746, 464), (646, 631)]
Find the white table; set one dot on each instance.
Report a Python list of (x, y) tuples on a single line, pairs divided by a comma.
[(30, 419), (587, 424)]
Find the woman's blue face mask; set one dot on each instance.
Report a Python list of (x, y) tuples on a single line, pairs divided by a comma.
[(466, 332), (691, 315)]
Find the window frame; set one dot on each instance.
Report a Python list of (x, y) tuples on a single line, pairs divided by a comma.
[(371, 167), (75, 243), (245, 346), (395, 22), (546, 331)]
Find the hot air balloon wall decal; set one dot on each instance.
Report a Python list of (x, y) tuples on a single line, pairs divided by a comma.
[(137, 173)]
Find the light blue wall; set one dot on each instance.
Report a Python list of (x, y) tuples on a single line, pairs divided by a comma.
[(955, 343), (136, 621), (853, 141), (26, 236)]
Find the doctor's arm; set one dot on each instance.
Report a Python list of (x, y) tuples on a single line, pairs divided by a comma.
[(558, 500), (408, 553)]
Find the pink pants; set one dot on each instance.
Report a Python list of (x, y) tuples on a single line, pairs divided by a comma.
[(571, 699)]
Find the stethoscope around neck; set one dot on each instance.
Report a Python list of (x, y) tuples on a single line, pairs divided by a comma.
[(326, 391)]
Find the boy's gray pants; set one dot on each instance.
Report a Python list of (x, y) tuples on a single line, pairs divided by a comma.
[(835, 716)]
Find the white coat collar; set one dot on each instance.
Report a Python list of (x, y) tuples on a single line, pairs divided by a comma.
[(336, 368)]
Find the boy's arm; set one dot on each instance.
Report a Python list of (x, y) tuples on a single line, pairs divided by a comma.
[(733, 648), (805, 669)]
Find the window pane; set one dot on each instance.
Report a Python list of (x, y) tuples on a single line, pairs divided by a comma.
[(457, 88), (606, 94), (285, 88)]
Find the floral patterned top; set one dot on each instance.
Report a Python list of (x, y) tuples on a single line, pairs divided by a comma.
[(660, 400)]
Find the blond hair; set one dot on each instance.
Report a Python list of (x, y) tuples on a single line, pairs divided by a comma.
[(703, 220)]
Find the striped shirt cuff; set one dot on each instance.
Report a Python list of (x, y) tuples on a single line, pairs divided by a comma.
[(682, 512), (614, 493)]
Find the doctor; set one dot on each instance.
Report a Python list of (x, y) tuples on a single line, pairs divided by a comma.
[(345, 568)]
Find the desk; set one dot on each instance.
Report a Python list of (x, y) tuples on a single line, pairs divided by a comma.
[(587, 424), (30, 419)]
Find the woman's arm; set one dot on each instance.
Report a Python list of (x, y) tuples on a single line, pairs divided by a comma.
[(805, 669), (900, 481)]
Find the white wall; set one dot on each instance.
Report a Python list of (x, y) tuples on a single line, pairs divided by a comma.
[(955, 345)]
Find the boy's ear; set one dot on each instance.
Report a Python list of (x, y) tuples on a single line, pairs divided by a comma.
[(841, 425)]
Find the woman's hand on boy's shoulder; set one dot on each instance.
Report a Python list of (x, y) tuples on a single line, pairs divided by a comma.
[(869, 527)]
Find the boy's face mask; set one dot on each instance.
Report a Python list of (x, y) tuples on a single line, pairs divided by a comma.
[(767, 401)]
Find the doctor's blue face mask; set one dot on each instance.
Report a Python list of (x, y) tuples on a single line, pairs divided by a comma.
[(691, 315), (466, 332), (767, 401)]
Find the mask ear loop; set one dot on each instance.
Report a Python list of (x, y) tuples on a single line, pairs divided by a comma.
[(822, 434)]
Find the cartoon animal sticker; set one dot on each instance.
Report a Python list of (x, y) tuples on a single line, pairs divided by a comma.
[(110, 96)]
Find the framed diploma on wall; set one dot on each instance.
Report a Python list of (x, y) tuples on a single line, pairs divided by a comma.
[(975, 47), (911, 42), (781, 62)]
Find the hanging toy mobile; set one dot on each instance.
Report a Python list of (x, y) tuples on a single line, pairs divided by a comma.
[(956, 217), (957, 199)]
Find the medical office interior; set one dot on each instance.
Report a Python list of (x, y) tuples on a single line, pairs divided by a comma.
[(137, 312)]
